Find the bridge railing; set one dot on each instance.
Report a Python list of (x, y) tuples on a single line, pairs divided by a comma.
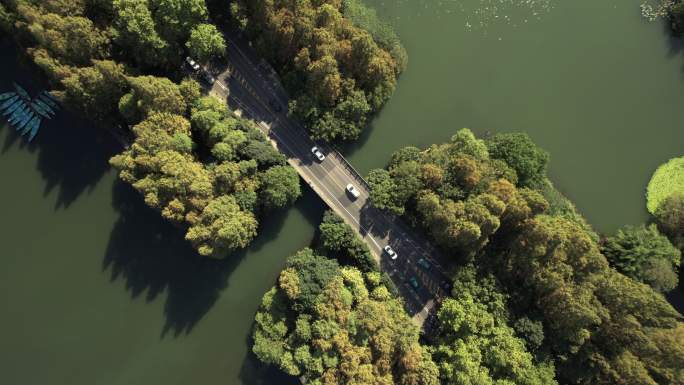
[(354, 173)]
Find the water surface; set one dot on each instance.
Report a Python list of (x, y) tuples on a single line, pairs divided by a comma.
[(98, 289), (590, 81), (95, 288)]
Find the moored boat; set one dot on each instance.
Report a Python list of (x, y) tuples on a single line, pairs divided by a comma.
[(9, 102)]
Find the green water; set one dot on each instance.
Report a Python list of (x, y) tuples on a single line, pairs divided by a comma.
[(589, 80), (97, 289)]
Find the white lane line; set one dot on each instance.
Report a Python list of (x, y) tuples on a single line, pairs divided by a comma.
[(323, 185), (344, 174), (288, 124)]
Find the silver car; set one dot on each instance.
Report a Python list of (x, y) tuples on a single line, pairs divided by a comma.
[(317, 153), (193, 64), (392, 254), (353, 191)]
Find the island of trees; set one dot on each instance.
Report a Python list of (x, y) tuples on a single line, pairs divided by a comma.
[(489, 205), (538, 297)]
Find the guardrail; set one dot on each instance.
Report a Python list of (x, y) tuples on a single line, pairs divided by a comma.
[(357, 175)]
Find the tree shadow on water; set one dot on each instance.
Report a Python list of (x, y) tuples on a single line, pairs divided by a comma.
[(72, 153), (153, 258)]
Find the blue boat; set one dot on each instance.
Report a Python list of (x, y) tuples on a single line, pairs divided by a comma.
[(7, 95), (18, 117), (18, 114), (9, 102), (26, 114), (22, 92), (34, 130), (14, 107), (30, 124), (48, 99), (44, 106), (25, 120), (40, 110)]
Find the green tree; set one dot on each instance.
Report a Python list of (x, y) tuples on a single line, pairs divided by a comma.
[(601, 322), (97, 89), (73, 39), (644, 254), (263, 152), (666, 180), (191, 91), (340, 240), (334, 325), (222, 227), (154, 94), (531, 331), (136, 30), (464, 142), (670, 217), (473, 347), (206, 42), (382, 191), (338, 73), (279, 186), (518, 150), (314, 273), (176, 18)]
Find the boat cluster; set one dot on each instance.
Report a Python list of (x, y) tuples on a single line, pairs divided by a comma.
[(24, 113)]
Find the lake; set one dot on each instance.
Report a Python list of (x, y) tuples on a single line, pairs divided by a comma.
[(590, 81), (97, 289)]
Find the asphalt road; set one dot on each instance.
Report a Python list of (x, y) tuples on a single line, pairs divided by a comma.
[(251, 87)]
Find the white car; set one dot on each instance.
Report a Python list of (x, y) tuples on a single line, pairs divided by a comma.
[(353, 191), (388, 249), (317, 153), (193, 64)]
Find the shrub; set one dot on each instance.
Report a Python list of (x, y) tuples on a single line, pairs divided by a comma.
[(666, 180)]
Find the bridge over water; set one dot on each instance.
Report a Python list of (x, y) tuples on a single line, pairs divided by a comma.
[(252, 89)]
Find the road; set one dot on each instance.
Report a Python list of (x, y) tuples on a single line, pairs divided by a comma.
[(250, 87)]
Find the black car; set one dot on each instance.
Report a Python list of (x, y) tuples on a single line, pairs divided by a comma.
[(207, 77)]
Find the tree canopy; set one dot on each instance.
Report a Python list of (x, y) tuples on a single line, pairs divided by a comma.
[(670, 217), (339, 239), (645, 255), (519, 152), (485, 202), (456, 191), (473, 343), (206, 42), (336, 325), (338, 72), (666, 180)]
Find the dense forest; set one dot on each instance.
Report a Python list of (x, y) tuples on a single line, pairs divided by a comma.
[(119, 62), (339, 63), (332, 318), (488, 205)]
